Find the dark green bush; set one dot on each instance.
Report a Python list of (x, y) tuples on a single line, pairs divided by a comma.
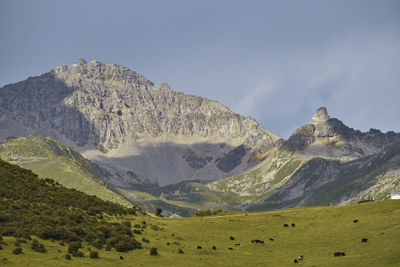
[(17, 251), (78, 253), (153, 251), (94, 255), (73, 247), (68, 257), (145, 240)]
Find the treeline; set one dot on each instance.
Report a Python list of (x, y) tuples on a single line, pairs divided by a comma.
[(33, 206)]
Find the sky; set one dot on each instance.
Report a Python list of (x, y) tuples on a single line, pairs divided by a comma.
[(276, 61)]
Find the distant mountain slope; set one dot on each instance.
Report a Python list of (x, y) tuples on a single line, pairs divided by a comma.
[(326, 181), (50, 159), (120, 119), (353, 165)]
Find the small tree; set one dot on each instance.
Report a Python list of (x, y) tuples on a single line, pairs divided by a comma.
[(153, 251), (158, 212), (94, 255)]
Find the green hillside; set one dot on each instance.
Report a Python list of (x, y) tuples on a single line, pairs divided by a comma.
[(49, 158), (60, 218)]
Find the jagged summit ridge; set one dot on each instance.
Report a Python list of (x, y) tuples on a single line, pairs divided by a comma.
[(107, 104), (330, 137)]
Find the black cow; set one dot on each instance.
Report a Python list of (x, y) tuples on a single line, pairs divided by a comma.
[(238, 245), (295, 261), (285, 225), (214, 247), (122, 258), (293, 225), (232, 238), (198, 247), (338, 254), (364, 240), (271, 239), (355, 221), (230, 248)]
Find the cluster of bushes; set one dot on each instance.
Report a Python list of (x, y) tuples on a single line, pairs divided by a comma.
[(42, 207), (208, 212), (36, 246)]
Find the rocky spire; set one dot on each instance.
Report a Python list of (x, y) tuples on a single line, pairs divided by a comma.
[(321, 115)]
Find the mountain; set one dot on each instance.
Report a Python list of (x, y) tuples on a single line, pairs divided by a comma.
[(323, 162), (112, 132), (329, 137), (136, 130)]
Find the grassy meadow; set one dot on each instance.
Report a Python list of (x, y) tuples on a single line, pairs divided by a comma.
[(318, 233)]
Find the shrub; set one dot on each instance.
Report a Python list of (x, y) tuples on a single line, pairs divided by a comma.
[(138, 232), (94, 255), (78, 253), (73, 247), (145, 240), (126, 245), (158, 212), (153, 251), (155, 227), (1, 247), (17, 251), (180, 251), (68, 257), (97, 243), (108, 247), (36, 246)]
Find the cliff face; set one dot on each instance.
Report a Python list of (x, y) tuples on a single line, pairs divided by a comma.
[(105, 106)]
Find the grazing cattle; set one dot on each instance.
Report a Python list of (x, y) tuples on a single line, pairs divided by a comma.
[(122, 258), (295, 261), (364, 240), (271, 239), (238, 245), (293, 225), (198, 247), (285, 225), (301, 257), (257, 241), (214, 247), (230, 248), (232, 238), (355, 221), (338, 254)]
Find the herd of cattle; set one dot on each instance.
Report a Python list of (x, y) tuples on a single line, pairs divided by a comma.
[(299, 258)]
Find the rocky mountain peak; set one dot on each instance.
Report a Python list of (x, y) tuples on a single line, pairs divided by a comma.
[(321, 115)]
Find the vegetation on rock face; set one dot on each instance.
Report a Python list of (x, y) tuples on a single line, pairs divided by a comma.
[(33, 206)]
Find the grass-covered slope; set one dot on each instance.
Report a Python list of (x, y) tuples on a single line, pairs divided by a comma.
[(319, 232), (43, 208), (49, 158)]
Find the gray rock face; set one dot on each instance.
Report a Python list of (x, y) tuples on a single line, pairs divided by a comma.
[(104, 106), (108, 104), (325, 136)]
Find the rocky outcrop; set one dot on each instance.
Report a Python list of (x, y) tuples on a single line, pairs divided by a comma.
[(325, 136)]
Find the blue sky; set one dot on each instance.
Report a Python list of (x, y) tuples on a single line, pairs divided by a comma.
[(276, 61)]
